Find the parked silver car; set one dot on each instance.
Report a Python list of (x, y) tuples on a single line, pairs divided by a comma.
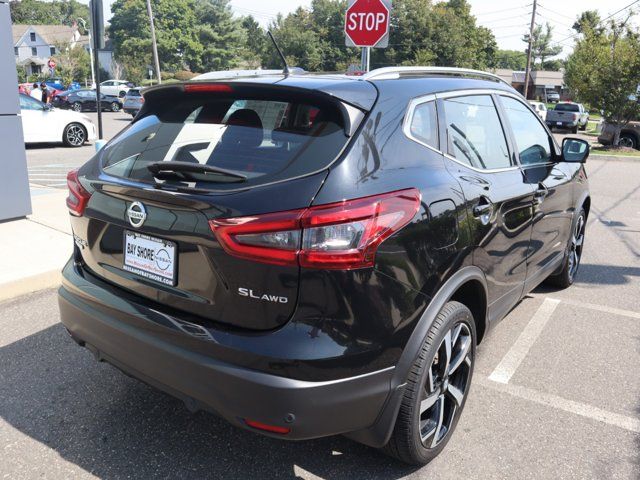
[(133, 101)]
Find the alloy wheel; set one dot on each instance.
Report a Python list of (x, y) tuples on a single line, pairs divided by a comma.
[(446, 385), (626, 141), (575, 247), (115, 107), (77, 107), (75, 135)]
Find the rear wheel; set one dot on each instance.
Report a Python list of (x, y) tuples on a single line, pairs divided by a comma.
[(574, 130), (437, 387), (74, 135), (584, 127), (77, 107), (115, 107), (628, 140), (573, 256)]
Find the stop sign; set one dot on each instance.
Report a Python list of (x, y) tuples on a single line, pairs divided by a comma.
[(367, 23)]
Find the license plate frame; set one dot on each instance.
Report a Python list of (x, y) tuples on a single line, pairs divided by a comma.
[(559, 124), (157, 261)]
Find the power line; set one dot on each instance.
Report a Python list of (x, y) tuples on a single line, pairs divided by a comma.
[(502, 11)]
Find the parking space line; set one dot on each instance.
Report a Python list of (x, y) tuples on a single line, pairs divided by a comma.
[(603, 308), (518, 351), (570, 406)]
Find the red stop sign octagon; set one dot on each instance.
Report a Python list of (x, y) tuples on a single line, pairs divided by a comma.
[(366, 22)]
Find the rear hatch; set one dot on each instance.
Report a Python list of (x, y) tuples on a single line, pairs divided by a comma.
[(204, 153)]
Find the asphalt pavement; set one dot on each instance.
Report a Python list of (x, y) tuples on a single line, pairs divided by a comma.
[(555, 394)]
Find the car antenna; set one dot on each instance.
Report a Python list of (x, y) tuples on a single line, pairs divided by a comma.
[(287, 70)]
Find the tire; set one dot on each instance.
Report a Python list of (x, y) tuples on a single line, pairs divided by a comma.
[(584, 127), (574, 130), (571, 263), (74, 135), (122, 93), (436, 389), (115, 107), (629, 140), (76, 107)]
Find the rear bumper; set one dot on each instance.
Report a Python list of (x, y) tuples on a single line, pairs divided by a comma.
[(562, 124), (125, 335)]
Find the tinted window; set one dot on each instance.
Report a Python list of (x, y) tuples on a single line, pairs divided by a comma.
[(424, 124), (475, 132), (532, 140), (567, 107), (133, 93), (258, 138)]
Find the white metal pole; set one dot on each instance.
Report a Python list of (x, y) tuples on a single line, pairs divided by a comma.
[(93, 73)]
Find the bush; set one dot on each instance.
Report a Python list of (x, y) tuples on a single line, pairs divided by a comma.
[(184, 75)]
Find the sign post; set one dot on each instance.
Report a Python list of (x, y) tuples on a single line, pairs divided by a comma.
[(367, 25)]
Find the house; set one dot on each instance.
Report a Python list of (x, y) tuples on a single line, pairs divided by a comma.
[(34, 45), (540, 80)]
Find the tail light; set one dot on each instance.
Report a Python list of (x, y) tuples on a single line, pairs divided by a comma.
[(267, 428), (78, 196), (337, 236)]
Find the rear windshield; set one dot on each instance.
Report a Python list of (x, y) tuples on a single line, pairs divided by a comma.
[(133, 93), (262, 139), (567, 107)]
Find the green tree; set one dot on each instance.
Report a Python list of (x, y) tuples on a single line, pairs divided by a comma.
[(255, 43), (604, 72), (220, 37), (175, 22), (511, 59), (588, 20), (72, 64), (39, 12), (542, 47)]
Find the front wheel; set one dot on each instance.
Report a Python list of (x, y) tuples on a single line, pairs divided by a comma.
[(437, 387), (115, 107), (573, 256), (74, 135)]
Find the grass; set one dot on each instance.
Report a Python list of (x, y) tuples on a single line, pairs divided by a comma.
[(615, 152)]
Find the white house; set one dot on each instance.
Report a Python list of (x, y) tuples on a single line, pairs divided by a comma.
[(34, 45)]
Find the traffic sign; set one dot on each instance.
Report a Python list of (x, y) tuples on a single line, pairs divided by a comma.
[(367, 23)]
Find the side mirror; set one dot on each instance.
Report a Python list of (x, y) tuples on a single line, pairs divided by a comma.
[(575, 150)]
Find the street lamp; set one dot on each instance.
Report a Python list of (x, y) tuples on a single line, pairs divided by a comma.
[(93, 75)]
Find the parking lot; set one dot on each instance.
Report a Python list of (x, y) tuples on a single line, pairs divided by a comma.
[(556, 390)]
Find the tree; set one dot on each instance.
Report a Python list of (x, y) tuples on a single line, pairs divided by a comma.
[(542, 47), (56, 12), (72, 64), (255, 45), (220, 37), (511, 59), (604, 72), (175, 22), (589, 20)]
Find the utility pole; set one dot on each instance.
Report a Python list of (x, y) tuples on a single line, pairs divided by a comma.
[(93, 73), (153, 41), (527, 73)]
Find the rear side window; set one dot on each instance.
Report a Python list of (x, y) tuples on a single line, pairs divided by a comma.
[(475, 133), (424, 124), (263, 139), (532, 141)]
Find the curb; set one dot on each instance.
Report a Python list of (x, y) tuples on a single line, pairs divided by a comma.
[(32, 284)]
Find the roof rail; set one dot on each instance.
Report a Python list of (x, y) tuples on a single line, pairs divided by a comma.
[(229, 74), (388, 73)]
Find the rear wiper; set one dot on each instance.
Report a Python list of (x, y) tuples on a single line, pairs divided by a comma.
[(193, 172)]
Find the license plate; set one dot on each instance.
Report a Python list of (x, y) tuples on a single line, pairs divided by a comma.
[(559, 123), (150, 257)]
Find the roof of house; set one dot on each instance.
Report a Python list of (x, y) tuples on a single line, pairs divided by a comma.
[(52, 34)]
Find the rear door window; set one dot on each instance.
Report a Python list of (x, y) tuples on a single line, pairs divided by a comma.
[(475, 133), (263, 139)]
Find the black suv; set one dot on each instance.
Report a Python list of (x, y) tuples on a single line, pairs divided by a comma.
[(311, 255)]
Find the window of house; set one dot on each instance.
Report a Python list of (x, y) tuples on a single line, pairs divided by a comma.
[(475, 133), (32, 36), (424, 124), (52, 50), (15, 51), (34, 52)]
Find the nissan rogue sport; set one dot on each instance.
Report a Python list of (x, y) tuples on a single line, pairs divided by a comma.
[(311, 255)]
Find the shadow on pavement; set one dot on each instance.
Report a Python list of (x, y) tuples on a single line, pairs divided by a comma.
[(115, 427)]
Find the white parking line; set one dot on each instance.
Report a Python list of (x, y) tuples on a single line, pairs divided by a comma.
[(603, 308), (577, 408), (518, 351)]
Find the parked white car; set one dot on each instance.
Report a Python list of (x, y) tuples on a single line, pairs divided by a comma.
[(117, 88), (540, 108), (43, 124)]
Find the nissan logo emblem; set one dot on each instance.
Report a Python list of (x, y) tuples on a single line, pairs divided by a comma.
[(137, 214)]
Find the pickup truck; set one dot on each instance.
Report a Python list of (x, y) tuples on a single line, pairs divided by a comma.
[(629, 136), (568, 115)]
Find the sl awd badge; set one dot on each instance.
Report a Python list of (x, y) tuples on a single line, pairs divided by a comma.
[(247, 292), (137, 214)]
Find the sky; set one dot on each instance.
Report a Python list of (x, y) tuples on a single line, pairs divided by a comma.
[(509, 20)]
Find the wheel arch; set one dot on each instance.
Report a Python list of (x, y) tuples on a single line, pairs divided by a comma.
[(462, 286)]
